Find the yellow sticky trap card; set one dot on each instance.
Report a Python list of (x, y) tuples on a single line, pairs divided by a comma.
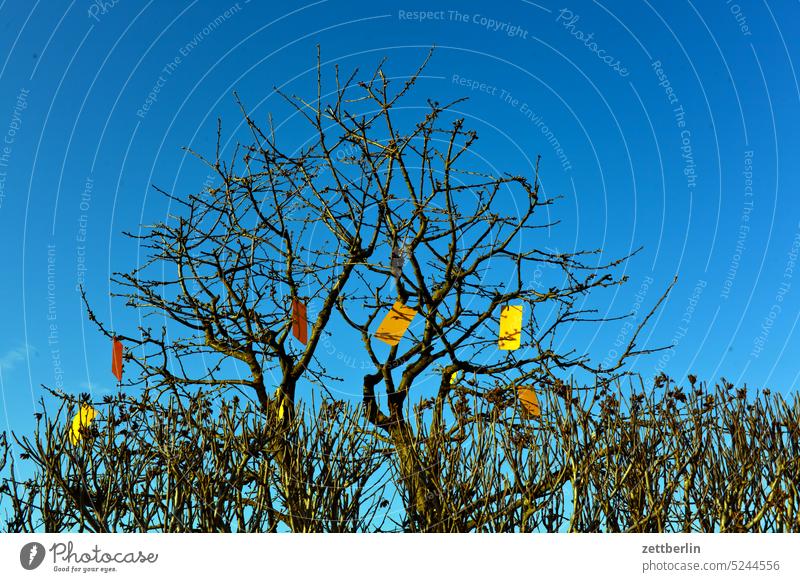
[(81, 423), (279, 397), (510, 327), (530, 402), (395, 324)]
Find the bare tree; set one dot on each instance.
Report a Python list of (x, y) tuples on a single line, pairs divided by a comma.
[(227, 268)]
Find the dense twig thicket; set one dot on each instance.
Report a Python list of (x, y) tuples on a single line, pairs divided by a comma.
[(377, 204), (665, 458)]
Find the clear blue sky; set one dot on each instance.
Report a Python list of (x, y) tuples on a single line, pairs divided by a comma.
[(669, 125)]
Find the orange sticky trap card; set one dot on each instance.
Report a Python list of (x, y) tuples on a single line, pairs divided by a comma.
[(116, 360), (395, 324), (530, 402), (299, 321), (510, 327)]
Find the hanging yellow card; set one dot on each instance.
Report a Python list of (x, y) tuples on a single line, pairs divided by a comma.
[(530, 402), (395, 324), (510, 327), (279, 397), (81, 423)]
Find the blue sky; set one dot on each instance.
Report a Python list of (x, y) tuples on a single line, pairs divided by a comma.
[(670, 126)]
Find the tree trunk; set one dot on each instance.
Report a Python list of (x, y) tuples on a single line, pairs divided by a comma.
[(424, 502)]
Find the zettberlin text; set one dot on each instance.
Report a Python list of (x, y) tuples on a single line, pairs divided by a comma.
[(671, 549)]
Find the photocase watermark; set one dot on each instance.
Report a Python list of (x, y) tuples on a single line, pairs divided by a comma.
[(744, 226), (739, 16), (625, 333), (687, 152), (421, 15), (52, 319), (683, 328), (66, 558), (169, 69), (568, 20), (777, 307), (81, 236), (10, 137), (344, 358), (537, 282), (32, 555), (523, 107), (100, 8), (665, 83), (491, 24)]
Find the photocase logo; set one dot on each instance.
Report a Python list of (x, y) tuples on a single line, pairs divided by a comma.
[(31, 555)]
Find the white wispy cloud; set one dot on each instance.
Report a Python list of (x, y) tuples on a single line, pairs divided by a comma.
[(14, 356)]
